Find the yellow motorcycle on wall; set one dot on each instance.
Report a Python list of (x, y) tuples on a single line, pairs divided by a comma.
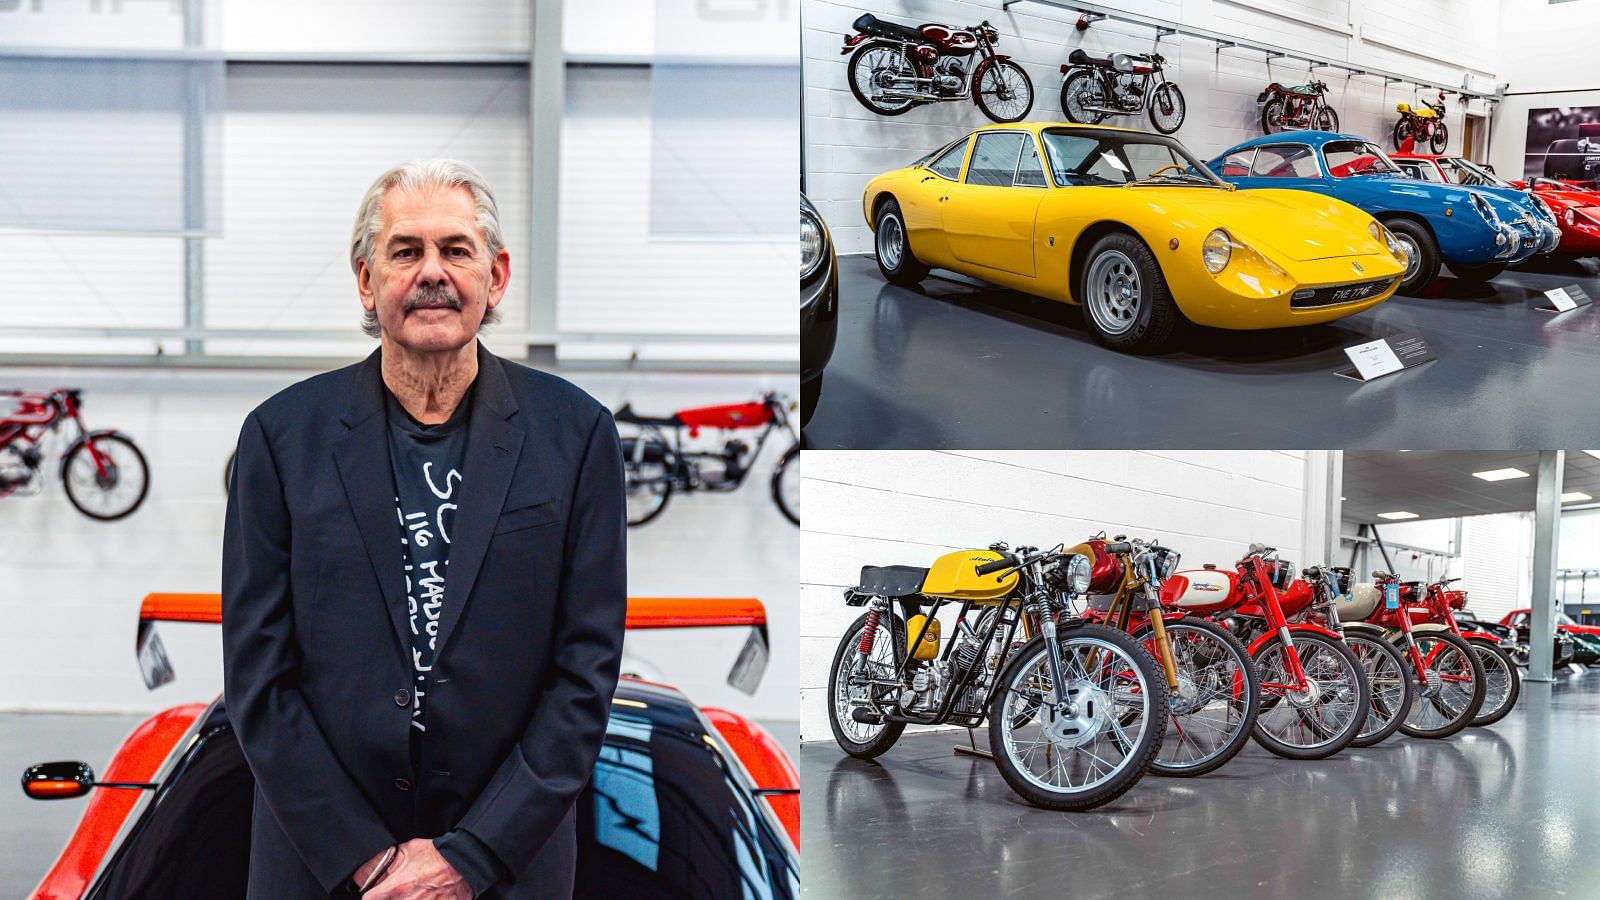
[(1076, 711)]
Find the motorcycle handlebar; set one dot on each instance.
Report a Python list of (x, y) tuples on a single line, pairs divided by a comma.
[(1381, 574), (1006, 561), (1119, 547)]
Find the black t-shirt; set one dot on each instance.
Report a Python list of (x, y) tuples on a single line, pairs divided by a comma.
[(427, 462)]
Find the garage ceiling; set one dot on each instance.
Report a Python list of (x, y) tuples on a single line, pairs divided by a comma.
[(1438, 484)]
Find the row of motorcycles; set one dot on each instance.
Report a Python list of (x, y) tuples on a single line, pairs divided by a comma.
[(894, 69), (1096, 663)]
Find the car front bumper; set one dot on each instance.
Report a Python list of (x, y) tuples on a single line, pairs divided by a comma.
[(1305, 293)]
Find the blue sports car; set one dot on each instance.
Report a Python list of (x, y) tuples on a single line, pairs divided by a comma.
[(1477, 232)]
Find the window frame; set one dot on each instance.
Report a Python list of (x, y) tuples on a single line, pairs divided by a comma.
[(1316, 162), (966, 144)]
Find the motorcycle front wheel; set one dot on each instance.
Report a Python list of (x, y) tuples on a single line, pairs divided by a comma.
[(1440, 138), (848, 690), (1167, 108), (106, 477), (875, 66), (1450, 691), (1327, 119), (1082, 89), (1211, 715), (1324, 717), (1004, 92), (1501, 684), (648, 481), (1389, 688), (1086, 741), (786, 484)]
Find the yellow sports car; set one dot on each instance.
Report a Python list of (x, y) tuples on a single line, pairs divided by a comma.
[(1132, 227)]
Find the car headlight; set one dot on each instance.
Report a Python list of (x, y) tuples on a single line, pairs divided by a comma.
[(1382, 234), (811, 243), (1216, 251), (1078, 573), (1572, 217), (1484, 208)]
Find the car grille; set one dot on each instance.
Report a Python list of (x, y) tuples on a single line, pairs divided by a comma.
[(1335, 294)]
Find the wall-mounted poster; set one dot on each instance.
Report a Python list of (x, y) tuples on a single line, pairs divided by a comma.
[(1564, 143)]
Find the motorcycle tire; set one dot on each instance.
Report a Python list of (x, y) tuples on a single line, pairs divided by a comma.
[(1167, 108), (1136, 759), (1004, 76), (853, 73), (647, 474), (1272, 116), (1454, 721), (1332, 741), (1247, 704), (1479, 274), (1440, 139), (788, 466), (878, 742), (1327, 119), (1417, 240), (1496, 706), (1395, 711), (1118, 270), (1077, 86), (1402, 130), (132, 463), (892, 247)]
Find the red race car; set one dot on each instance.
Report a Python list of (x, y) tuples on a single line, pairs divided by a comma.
[(1577, 209), (684, 801), (1586, 638)]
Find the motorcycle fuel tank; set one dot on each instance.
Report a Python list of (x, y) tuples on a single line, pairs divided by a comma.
[(1361, 602), (1199, 590), (955, 575)]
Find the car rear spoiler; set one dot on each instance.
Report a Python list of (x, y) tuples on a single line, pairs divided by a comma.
[(643, 613)]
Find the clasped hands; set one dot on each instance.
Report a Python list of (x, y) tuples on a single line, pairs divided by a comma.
[(417, 872)]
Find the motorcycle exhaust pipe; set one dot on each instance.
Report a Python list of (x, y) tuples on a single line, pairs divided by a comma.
[(865, 716), (906, 95), (1109, 110)]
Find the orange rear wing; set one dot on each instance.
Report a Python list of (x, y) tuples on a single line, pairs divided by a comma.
[(643, 613)]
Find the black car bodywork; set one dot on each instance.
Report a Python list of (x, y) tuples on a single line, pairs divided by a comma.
[(819, 312)]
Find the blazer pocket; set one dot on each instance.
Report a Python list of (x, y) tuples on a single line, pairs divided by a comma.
[(540, 512)]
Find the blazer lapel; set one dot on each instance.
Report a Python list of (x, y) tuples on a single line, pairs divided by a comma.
[(362, 456), (493, 447)]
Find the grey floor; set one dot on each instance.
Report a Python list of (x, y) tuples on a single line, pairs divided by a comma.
[(1512, 810), (32, 832), (955, 364)]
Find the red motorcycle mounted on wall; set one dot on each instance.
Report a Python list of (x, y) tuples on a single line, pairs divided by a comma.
[(1423, 126), (1299, 107), (894, 69), (658, 465), (104, 472)]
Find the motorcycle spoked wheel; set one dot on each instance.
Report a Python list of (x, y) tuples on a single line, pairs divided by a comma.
[(1402, 130), (118, 491), (1440, 138), (1004, 92), (1502, 684), (1445, 711), (1081, 88), (1117, 717), (873, 62), (1389, 688), (1327, 119), (1210, 719), (1272, 116), (786, 484), (1167, 108), (861, 739), (648, 483), (1330, 718)]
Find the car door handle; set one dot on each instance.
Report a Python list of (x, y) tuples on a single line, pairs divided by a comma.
[(944, 198), (927, 178)]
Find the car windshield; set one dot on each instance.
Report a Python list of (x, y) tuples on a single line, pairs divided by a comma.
[(1564, 619), (1347, 158), (1107, 158), (1463, 171)]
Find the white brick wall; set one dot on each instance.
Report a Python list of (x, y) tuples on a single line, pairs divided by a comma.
[(845, 145), (907, 507)]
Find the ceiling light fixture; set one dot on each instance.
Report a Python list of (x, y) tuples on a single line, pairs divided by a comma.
[(1401, 514), (1500, 474), (1574, 497)]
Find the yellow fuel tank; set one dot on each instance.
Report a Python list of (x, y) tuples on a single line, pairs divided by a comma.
[(955, 575)]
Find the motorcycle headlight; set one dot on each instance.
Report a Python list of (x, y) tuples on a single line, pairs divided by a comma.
[(1078, 572), (1168, 563), (811, 243), (1216, 251), (1381, 233), (1484, 208)]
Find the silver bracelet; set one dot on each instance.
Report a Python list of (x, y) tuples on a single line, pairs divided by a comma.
[(379, 870)]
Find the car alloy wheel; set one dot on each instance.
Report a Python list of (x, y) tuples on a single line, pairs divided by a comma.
[(891, 241), (1114, 292)]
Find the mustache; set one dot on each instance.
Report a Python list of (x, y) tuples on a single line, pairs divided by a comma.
[(431, 296)]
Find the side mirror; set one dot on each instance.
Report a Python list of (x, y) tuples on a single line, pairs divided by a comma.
[(57, 780)]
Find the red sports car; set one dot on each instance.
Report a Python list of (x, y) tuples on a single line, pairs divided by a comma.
[(1577, 209), (1586, 638), (684, 801)]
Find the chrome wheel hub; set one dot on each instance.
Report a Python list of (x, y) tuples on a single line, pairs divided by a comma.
[(1305, 699), (1080, 719), (891, 241), (1113, 292)]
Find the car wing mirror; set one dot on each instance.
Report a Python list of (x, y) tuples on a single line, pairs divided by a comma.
[(60, 780)]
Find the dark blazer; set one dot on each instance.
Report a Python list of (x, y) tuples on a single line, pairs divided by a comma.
[(316, 645)]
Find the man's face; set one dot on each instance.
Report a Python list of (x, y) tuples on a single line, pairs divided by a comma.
[(431, 278)]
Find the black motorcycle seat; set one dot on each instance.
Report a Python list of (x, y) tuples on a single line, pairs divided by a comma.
[(871, 24), (626, 414), (1080, 58), (892, 581)]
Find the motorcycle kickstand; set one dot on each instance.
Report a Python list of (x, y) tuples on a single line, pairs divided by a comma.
[(973, 750)]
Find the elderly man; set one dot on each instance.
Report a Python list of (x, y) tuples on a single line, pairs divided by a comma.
[(423, 584)]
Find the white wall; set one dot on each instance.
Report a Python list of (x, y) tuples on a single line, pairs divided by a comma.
[(1497, 552), (846, 145), (907, 507), (76, 584)]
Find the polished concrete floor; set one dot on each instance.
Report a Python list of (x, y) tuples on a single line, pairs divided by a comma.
[(956, 364), (1507, 811), (32, 832)]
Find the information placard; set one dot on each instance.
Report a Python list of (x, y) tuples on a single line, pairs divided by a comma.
[(1564, 299), (1385, 356)]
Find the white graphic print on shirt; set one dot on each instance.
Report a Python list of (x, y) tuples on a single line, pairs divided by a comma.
[(427, 561)]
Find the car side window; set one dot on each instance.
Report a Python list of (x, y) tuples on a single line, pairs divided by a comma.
[(948, 165), (1284, 161), (1236, 164), (994, 159), (1030, 172), (1421, 171)]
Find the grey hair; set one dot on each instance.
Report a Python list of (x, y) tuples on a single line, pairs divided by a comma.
[(416, 175)]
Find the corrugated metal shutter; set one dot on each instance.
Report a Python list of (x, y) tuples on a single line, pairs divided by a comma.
[(1496, 550)]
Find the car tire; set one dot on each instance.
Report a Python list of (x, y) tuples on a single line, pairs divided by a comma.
[(892, 247), (810, 392), (1414, 236), (1124, 296), (1479, 274)]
